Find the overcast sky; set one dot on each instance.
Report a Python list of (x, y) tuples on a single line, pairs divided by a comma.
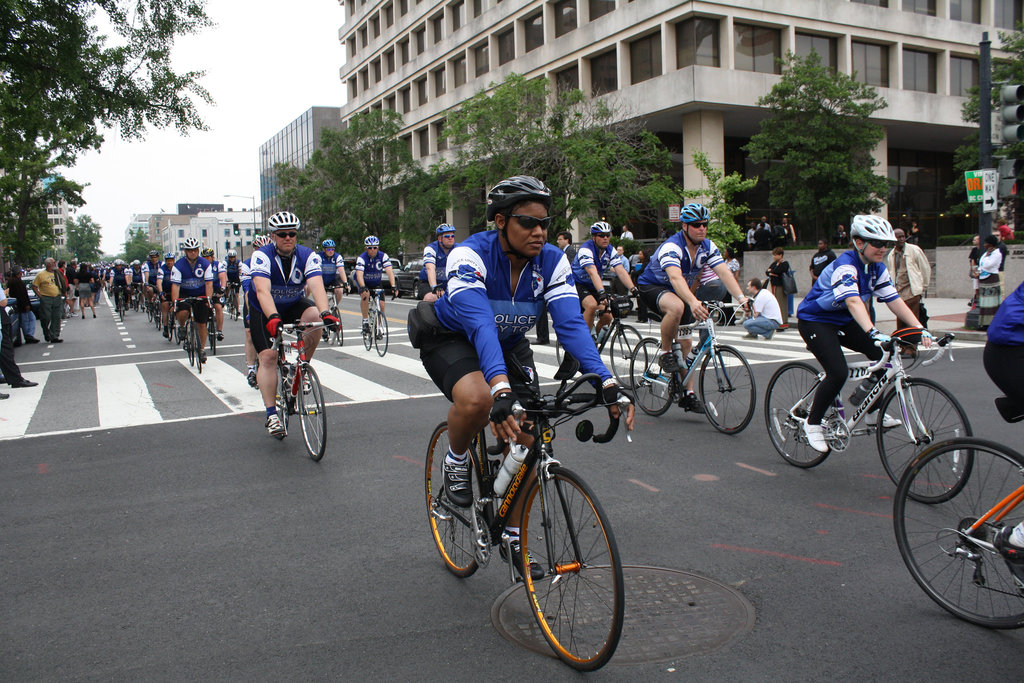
[(266, 62)]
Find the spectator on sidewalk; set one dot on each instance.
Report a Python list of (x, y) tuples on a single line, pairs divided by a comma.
[(910, 272), (842, 237), (51, 304), (989, 292), (10, 370), (751, 237), (69, 275), (776, 269), (821, 258), (765, 316), (914, 234), (23, 320), (763, 235), (627, 234), (84, 283), (972, 260)]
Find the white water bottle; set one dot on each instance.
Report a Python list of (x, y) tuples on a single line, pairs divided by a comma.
[(513, 461)]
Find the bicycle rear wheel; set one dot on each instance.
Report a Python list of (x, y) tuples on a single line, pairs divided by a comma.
[(187, 342), (197, 345), (958, 568), (620, 352), (727, 390), (449, 525), (653, 388), (380, 338), (338, 335), (939, 412), (579, 604), (281, 400), (368, 335), (312, 413), (211, 332), (786, 403)]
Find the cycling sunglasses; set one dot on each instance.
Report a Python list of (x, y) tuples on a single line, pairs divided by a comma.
[(531, 222), (290, 234), (882, 244)]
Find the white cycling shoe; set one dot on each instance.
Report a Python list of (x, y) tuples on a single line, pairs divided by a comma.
[(815, 437), (888, 423)]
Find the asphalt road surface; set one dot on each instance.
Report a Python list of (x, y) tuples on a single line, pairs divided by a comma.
[(152, 530)]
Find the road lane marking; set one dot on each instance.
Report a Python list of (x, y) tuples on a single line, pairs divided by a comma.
[(645, 486), (228, 385), (756, 469), (122, 397), (410, 366), (13, 423), (785, 556), (352, 385)]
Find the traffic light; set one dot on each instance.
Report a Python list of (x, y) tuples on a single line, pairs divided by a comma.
[(235, 228), (1012, 97), (1009, 171)]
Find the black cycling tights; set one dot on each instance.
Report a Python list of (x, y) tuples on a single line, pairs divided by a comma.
[(1005, 366), (825, 340)]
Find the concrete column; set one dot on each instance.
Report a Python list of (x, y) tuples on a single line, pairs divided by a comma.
[(942, 73), (668, 48), (844, 55), (622, 59), (880, 154), (703, 130), (988, 13), (727, 43), (942, 9)]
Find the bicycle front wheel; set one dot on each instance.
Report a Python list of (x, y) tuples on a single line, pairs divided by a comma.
[(786, 404), (927, 403), (312, 413), (450, 526), (579, 603), (369, 329), (652, 387), (620, 352), (211, 333), (380, 338), (338, 335), (197, 345), (189, 346), (956, 566), (727, 390)]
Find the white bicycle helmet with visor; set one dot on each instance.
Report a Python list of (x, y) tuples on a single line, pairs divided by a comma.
[(868, 227), (371, 241), (601, 228), (283, 220), (190, 243)]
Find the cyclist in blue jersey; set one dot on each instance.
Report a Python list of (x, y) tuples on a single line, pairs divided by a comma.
[(434, 274), (192, 276), (281, 272), (245, 284), (234, 282), (835, 314), (333, 267), (150, 271), (371, 266), (593, 259), (163, 286), (138, 281), (219, 282), (118, 278), (667, 287), (497, 282)]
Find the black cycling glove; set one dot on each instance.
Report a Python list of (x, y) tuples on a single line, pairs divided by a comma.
[(504, 404)]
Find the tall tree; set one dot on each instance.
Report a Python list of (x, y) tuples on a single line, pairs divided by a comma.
[(62, 83), (594, 163), (820, 134), (718, 198), (84, 236), (138, 246)]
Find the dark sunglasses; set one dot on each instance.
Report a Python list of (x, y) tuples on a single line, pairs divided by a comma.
[(369, 248), (880, 244), (699, 224), (531, 222), (290, 235)]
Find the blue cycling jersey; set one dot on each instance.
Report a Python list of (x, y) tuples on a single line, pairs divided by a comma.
[(1007, 327), (372, 267), (191, 278), (136, 274), (330, 266), (589, 254), (482, 304), (845, 277), (288, 276), (164, 278), (231, 268), (673, 253), (119, 275), (149, 272), (435, 253), (245, 276)]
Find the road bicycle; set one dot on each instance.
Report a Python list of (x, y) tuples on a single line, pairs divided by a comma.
[(725, 383), (619, 337), (375, 334), (121, 301), (337, 334), (136, 298), (579, 602), (298, 389), (927, 411), (231, 300), (947, 541), (189, 334), (211, 327)]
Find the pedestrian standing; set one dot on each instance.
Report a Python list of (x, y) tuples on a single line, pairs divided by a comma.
[(84, 280), (765, 316), (911, 273), (51, 306), (842, 237), (70, 274), (627, 234), (821, 258), (988, 281), (776, 269), (11, 372), (751, 237), (972, 270), (763, 235), (23, 320)]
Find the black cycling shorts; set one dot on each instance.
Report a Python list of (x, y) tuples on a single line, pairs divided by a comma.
[(261, 341), (651, 295), (449, 358), (200, 312)]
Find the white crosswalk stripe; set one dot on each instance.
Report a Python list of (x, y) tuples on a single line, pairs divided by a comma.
[(123, 398)]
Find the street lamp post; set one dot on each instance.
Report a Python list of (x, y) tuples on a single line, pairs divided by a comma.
[(251, 198)]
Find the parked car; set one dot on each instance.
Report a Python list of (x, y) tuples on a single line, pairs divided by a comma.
[(407, 279)]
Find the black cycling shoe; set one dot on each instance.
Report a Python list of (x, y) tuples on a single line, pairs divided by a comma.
[(457, 483), (668, 362), (691, 404), (252, 379), (536, 572), (1013, 555)]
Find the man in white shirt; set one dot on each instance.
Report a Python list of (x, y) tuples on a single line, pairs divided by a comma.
[(766, 316)]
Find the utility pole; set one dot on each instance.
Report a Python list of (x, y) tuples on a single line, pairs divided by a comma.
[(985, 123)]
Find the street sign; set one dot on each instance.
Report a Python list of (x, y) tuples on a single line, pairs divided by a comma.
[(975, 188), (673, 212), (989, 183)]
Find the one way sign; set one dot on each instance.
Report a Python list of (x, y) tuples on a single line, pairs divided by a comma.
[(989, 183)]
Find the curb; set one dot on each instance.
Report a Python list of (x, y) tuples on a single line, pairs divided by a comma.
[(964, 334)]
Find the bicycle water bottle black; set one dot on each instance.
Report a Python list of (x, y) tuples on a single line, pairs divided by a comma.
[(677, 351), (862, 390), (513, 461), (603, 334)]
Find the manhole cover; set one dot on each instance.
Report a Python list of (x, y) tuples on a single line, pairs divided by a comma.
[(669, 614)]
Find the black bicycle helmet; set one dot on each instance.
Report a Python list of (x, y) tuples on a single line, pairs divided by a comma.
[(512, 191)]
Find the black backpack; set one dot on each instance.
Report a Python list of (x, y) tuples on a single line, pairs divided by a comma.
[(779, 234)]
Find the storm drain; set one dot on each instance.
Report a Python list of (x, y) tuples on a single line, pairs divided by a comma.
[(670, 614)]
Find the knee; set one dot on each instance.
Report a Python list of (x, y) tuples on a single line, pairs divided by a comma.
[(475, 403)]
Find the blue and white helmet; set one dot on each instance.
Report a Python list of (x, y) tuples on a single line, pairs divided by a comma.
[(868, 227), (600, 228), (444, 228), (282, 220), (328, 244), (694, 213), (371, 241), (168, 255)]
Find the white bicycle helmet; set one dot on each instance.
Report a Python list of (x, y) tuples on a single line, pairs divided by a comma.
[(868, 227), (232, 252), (371, 241), (282, 220), (260, 241), (600, 228), (190, 243)]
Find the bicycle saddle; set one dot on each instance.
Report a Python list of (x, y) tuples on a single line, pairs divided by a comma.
[(1009, 409)]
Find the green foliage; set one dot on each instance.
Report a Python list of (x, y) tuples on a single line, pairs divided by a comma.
[(138, 247), (718, 198), (83, 238), (819, 129), (352, 186), (596, 166)]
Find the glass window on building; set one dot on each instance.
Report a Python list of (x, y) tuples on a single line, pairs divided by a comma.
[(604, 74), (645, 58), (478, 7), (423, 140), (376, 70), (920, 7), (442, 141), (421, 92), (871, 64), (362, 37), (599, 8), (439, 84), (533, 29), (204, 232), (405, 100), (481, 59), (1008, 13), (352, 46), (437, 24), (389, 61), (181, 233), (758, 49), (375, 26), (403, 51), (873, 3), (459, 71), (565, 17), (420, 36), (697, 42), (458, 14), (965, 10), (919, 70), (506, 46), (403, 7), (568, 79), (963, 75), (823, 45), (389, 14)]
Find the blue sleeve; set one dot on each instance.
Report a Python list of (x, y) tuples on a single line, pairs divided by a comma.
[(477, 317)]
